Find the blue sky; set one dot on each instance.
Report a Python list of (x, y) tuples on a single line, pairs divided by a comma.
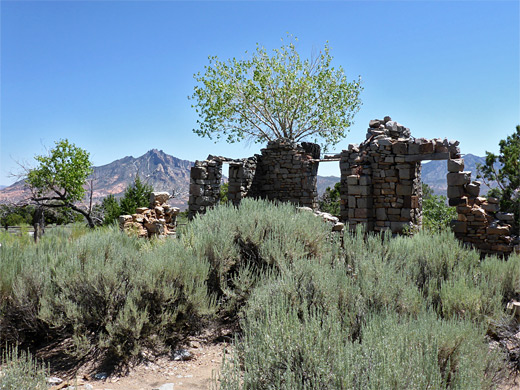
[(113, 76)]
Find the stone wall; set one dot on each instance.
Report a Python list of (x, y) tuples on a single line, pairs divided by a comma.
[(205, 178), (241, 175), (480, 222), (380, 184), (381, 178), (287, 171)]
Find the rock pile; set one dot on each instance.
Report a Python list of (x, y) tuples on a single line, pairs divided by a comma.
[(336, 225), (160, 219), (387, 128), (480, 222)]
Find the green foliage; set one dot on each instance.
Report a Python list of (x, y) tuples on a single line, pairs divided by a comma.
[(224, 190), (18, 370), (11, 215), (241, 244), (436, 213), (381, 312), (267, 97), (329, 201), (404, 312), (109, 293), (111, 209), (64, 172), (136, 195), (507, 177)]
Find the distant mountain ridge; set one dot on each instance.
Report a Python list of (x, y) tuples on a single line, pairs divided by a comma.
[(162, 171)]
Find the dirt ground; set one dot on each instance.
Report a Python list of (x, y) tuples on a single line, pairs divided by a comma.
[(195, 373)]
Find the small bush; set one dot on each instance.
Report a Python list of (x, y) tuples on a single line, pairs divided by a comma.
[(18, 370)]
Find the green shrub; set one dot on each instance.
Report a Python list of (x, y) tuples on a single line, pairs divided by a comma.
[(285, 347), (243, 243), (18, 370), (109, 292)]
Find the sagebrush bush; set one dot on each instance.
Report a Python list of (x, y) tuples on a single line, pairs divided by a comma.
[(20, 371), (110, 293), (243, 243), (292, 343)]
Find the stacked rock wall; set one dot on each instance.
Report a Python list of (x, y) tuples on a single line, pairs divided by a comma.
[(160, 219), (241, 175), (480, 222), (205, 178), (287, 171), (380, 184), (381, 178)]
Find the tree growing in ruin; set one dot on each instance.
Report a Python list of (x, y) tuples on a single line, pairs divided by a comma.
[(60, 178), (277, 95)]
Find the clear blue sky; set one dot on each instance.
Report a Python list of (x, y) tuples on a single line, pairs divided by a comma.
[(113, 77)]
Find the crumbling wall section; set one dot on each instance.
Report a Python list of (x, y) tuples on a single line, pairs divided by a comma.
[(480, 222), (205, 179), (287, 171), (241, 175), (381, 178)]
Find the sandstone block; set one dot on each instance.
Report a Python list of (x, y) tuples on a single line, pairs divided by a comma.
[(459, 226), (455, 191), (400, 148), (122, 219), (381, 214), (458, 178), (365, 180), (473, 188), (403, 190), (490, 207), (507, 217), (455, 165), (198, 173), (352, 180), (499, 230), (158, 198), (426, 147)]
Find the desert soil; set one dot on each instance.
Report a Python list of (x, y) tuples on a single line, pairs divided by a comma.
[(196, 373)]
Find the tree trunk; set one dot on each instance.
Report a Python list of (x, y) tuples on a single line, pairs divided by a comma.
[(38, 224), (87, 215)]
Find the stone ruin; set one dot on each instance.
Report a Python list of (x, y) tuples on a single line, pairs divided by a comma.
[(160, 219), (380, 184)]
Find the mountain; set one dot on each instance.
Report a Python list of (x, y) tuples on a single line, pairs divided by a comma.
[(434, 173), (322, 182), (162, 171)]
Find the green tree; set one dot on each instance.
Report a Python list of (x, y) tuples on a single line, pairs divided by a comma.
[(268, 97), (136, 195), (436, 213), (223, 195), (59, 179), (329, 201), (111, 209), (507, 176)]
